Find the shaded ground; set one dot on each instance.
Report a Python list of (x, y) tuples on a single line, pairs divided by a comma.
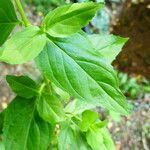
[(133, 132)]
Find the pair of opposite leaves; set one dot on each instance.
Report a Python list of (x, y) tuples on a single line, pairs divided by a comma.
[(66, 56), (34, 132)]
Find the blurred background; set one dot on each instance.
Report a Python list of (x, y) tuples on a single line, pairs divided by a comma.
[(127, 18)]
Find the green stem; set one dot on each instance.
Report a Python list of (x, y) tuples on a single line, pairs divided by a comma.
[(22, 13), (41, 88)]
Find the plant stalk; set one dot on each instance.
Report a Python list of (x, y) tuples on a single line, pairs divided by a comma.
[(41, 88), (22, 13)]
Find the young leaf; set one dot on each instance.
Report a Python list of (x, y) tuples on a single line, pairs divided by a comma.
[(108, 142), (23, 129), (88, 118), (23, 46), (101, 124), (70, 138), (108, 45), (99, 139), (72, 64), (95, 140), (81, 140), (50, 108), (22, 86), (66, 138), (69, 19), (8, 19), (78, 106)]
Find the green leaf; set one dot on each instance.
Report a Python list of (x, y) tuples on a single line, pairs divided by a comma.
[(40, 134), (73, 65), (78, 106), (66, 138), (23, 129), (95, 140), (69, 19), (22, 86), (23, 46), (82, 143), (108, 45), (88, 118), (8, 19), (64, 96), (108, 142), (70, 138), (99, 139), (2, 145), (1, 121), (101, 124), (50, 108)]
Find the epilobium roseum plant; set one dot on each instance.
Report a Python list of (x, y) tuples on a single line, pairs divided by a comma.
[(79, 64)]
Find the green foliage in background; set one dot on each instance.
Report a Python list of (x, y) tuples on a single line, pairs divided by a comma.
[(71, 63), (133, 87), (44, 5)]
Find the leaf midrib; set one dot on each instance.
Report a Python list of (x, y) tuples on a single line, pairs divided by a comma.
[(76, 62), (89, 75), (9, 23), (53, 73), (28, 129)]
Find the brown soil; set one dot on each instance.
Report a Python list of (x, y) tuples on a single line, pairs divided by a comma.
[(134, 22)]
